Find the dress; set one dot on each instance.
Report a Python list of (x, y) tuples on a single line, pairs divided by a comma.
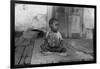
[(53, 42)]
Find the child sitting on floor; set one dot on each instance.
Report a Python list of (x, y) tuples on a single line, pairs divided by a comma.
[(53, 41)]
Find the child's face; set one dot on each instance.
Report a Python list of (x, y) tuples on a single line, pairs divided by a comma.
[(54, 26)]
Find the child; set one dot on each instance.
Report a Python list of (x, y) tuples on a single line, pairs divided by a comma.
[(53, 41)]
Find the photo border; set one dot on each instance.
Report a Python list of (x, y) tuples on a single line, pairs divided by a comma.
[(12, 28)]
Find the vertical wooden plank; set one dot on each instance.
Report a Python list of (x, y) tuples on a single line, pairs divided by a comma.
[(81, 21), (49, 15), (66, 19), (69, 23)]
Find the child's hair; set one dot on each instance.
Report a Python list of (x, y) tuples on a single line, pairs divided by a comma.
[(52, 20)]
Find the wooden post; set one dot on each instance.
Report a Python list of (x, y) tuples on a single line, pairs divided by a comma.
[(49, 15), (66, 19), (81, 21), (69, 22)]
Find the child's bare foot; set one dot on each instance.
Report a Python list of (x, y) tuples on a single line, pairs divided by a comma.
[(63, 54), (46, 53)]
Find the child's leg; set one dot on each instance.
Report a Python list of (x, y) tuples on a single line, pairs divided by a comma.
[(43, 47), (45, 50), (63, 51), (60, 49)]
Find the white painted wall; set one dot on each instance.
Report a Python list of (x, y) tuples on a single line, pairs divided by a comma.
[(89, 18), (30, 16)]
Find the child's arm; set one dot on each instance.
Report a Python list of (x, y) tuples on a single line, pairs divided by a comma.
[(45, 38), (63, 35), (62, 42)]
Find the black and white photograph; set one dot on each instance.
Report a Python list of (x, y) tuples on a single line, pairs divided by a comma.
[(49, 33)]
